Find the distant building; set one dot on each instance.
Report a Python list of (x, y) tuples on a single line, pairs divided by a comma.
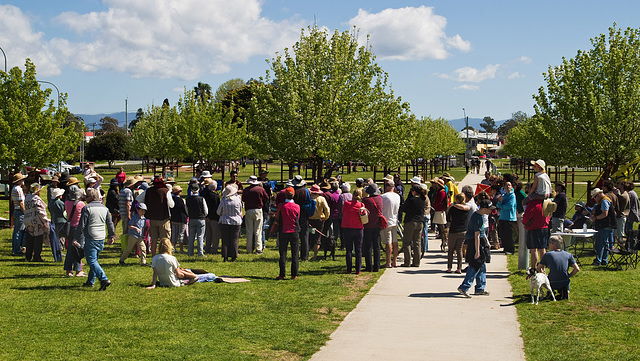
[(88, 136), (480, 142)]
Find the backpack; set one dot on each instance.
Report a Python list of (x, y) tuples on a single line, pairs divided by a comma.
[(309, 205)]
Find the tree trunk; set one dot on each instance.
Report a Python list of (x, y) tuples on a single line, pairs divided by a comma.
[(291, 170)]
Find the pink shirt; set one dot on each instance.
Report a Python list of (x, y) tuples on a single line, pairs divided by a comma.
[(351, 215), (289, 214), (68, 206)]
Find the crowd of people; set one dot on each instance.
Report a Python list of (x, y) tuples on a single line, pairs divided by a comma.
[(365, 221)]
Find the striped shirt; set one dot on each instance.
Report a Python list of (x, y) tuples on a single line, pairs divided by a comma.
[(230, 210), (17, 196), (126, 196)]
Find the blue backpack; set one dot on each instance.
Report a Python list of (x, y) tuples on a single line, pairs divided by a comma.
[(309, 205)]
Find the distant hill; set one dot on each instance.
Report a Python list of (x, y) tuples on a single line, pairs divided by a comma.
[(91, 119), (459, 124)]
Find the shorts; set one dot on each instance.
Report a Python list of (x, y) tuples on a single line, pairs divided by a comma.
[(440, 217), (389, 235), (159, 229), (538, 238)]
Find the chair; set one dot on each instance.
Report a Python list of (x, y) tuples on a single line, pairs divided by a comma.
[(626, 255)]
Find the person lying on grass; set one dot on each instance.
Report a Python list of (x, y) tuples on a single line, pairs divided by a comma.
[(166, 269)]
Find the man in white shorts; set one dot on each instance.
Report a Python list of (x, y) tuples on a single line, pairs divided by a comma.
[(390, 207)]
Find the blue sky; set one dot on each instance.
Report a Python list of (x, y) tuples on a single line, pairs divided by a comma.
[(441, 56)]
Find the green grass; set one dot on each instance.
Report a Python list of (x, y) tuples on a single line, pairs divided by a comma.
[(50, 317), (600, 321)]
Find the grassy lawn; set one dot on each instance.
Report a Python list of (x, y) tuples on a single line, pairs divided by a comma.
[(601, 321), (50, 317)]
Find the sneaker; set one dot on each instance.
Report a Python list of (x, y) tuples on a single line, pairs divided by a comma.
[(104, 284), (258, 252), (145, 265), (294, 277), (464, 293), (279, 278), (87, 284), (481, 293)]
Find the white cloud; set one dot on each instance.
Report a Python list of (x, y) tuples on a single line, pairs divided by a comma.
[(472, 75), (525, 59), (408, 34), (152, 38), (20, 41), (515, 75), (467, 87)]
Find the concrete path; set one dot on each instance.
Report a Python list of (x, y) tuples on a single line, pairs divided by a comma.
[(417, 314)]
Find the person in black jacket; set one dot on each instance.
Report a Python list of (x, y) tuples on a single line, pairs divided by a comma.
[(197, 210), (413, 209), (178, 219), (457, 216), (212, 229)]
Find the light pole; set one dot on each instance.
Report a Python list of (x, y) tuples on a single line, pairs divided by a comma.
[(467, 130), (5, 60), (58, 90)]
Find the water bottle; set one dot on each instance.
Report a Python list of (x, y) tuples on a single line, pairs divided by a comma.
[(584, 228)]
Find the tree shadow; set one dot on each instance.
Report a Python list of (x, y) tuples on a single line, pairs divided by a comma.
[(47, 288), (435, 295)]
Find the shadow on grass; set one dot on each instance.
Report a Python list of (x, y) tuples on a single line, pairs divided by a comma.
[(47, 288)]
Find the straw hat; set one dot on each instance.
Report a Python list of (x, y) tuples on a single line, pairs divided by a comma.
[(34, 188), (72, 180), (129, 182), (389, 178), (18, 177), (170, 180), (176, 189)]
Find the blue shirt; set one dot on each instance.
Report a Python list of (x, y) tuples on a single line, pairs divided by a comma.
[(508, 207), (476, 224), (139, 222), (558, 263)]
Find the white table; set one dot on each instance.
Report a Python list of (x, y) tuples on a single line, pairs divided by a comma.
[(577, 240)]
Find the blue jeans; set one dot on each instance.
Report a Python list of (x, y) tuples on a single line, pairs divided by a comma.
[(479, 275), (425, 235), (265, 226), (92, 249), (18, 231), (196, 231), (604, 242)]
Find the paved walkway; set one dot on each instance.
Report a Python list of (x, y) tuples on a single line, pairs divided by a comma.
[(417, 314)]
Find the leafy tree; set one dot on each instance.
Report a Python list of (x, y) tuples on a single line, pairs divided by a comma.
[(203, 92), (516, 118), (588, 111), (436, 137), (109, 146), (32, 129), (139, 115), (109, 125), (327, 98), (238, 101), (488, 124), (227, 87), (155, 135)]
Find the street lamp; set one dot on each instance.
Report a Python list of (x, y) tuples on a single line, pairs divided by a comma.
[(58, 90), (5, 60), (467, 130)]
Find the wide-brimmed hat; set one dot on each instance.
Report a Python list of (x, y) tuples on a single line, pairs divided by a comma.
[(142, 206), (253, 180), (595, 192), (485, 203), (170, 180), (17, 177), (263, 171), (389, 178), (325, 185), (114, 182), (539, 163), (176, 189), (561, 184), (129, 181), (34, 188), (206, 174), (416, 180), (139, 178), (298, 181), (289, 183), (446, 178), (372, 189), (72, 180), (57, 192), (206, 181), (315, 189), (230, 190), (581, 205), (55, 178), (346, 187), (359, 182), (438, 181), (194, 188)]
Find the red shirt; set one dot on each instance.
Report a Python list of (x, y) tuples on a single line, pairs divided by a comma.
[(374, 218), (351, 215), (440, 201), (534, 214), (289, 214)]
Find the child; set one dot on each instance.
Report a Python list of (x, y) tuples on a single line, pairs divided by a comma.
[(166, 269), (541, 187), (135, 232)]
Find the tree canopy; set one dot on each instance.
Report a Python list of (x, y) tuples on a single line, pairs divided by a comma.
[(488, 124), (109, 146), (327, 98), (588, 111), (32, 129)]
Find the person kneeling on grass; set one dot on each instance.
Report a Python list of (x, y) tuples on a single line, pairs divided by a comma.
[(558, 262), (135, 234), (166, 269)]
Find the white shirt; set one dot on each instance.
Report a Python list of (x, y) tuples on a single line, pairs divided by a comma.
[(390, 207), (166, 266)]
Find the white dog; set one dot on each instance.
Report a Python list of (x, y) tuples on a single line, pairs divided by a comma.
[(537, 280)]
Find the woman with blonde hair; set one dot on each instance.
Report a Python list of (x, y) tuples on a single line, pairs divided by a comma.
[(166, 269), (352, 229)]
